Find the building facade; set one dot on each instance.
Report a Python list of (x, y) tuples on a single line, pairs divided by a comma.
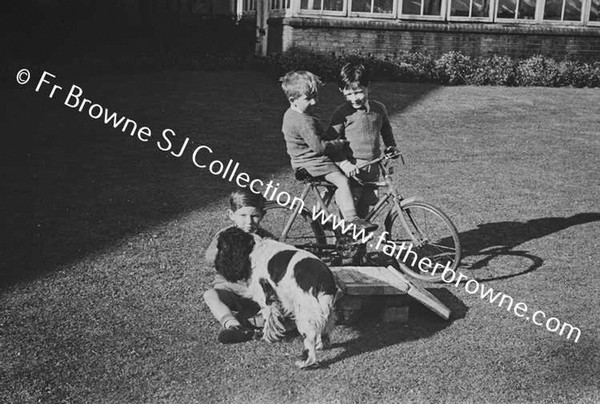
[(518, 28)]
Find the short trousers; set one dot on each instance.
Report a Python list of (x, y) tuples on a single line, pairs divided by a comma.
[(318, 167), (232, 295), (366, 196)]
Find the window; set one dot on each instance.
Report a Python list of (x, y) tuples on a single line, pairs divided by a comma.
[(372, 6), (280, 4), (516, 9), (248, 5), (567, 12), (595, 12), (562, 10), (322, 5), (470, 8), (422, 7)]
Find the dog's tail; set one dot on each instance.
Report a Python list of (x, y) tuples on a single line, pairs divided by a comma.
[(274, 330)]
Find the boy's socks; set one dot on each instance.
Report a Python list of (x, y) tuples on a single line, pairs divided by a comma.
[(230, 322)]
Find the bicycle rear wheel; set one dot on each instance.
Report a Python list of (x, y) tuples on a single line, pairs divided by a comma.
[(304, 233), (435, 239)]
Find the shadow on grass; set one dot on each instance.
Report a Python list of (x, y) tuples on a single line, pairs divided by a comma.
[(375, 335), (72, 186), (489, 250)]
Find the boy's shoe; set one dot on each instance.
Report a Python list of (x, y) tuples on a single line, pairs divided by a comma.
[(363, 224), (234, 335)]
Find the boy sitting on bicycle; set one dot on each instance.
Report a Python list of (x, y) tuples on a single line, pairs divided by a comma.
[(306, 145), (363, 122)]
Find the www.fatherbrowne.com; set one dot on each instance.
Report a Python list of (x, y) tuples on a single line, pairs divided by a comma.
[(449, 276)]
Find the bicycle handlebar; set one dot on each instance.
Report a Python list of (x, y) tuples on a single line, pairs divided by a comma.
[(378, 159)]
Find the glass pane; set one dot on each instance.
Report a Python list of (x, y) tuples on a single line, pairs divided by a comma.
[(507, 9), (333, 5), (595, 11), (383, 6), (310, 5), (553, 9), (481, 8), (460, 8), (432, 7), (527, 9), (361, 6), (573, 10), (413, 7)]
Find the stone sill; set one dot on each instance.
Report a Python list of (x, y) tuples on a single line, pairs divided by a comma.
[(435, 26)]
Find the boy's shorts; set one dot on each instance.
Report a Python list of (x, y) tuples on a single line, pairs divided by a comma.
[(232, 295), (318, 167), (366, 196)]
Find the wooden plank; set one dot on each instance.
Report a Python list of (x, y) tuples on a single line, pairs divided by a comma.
[(363, 281), (423, 296), (368, 281)]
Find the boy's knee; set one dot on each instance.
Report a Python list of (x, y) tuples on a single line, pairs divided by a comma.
[(338, 179)]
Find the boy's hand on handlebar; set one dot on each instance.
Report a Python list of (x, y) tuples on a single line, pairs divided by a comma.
[(392, 152), (348, 168)]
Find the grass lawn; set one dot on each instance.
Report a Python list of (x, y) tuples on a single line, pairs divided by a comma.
[(102, 239)]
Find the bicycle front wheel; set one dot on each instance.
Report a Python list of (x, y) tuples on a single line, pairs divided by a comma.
[(434, 241), (304, 232)]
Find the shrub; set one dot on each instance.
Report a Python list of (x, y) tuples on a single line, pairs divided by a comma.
[(414, 66), (537, 71), (571, 73), (594, 79), (493, 71), (453, 68)]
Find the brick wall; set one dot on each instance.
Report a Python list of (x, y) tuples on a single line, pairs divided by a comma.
[(343, 35)]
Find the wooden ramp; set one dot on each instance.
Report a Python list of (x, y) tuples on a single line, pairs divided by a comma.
[(366, 281)]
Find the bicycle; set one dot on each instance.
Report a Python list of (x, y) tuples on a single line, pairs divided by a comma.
[(431, 234)]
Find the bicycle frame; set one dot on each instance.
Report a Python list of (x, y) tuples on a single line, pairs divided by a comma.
[(324, 199), (402, 222)]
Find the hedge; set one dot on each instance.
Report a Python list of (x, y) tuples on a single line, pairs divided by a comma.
[(453, 68)]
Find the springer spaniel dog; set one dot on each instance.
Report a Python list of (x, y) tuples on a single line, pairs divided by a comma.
[(282, 279)]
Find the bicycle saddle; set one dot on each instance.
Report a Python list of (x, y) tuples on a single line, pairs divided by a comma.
[(303, 175)]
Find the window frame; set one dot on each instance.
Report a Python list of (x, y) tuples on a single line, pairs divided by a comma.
[(425, 17), (333, 13), (285, 11), (292, 8), (362, 14), (534, 20), (489, 18), (587, 21), (242, 12), (585, 10)]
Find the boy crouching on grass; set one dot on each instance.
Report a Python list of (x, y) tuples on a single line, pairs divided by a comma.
[(226, 298)]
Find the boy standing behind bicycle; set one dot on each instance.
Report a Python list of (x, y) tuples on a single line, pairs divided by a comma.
[(363, 122)]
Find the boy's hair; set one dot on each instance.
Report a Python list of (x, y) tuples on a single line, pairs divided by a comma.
[(295, 84), (244, 197), (352, 73)]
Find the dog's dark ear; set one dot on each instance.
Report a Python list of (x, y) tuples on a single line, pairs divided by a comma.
[(234, 247)]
